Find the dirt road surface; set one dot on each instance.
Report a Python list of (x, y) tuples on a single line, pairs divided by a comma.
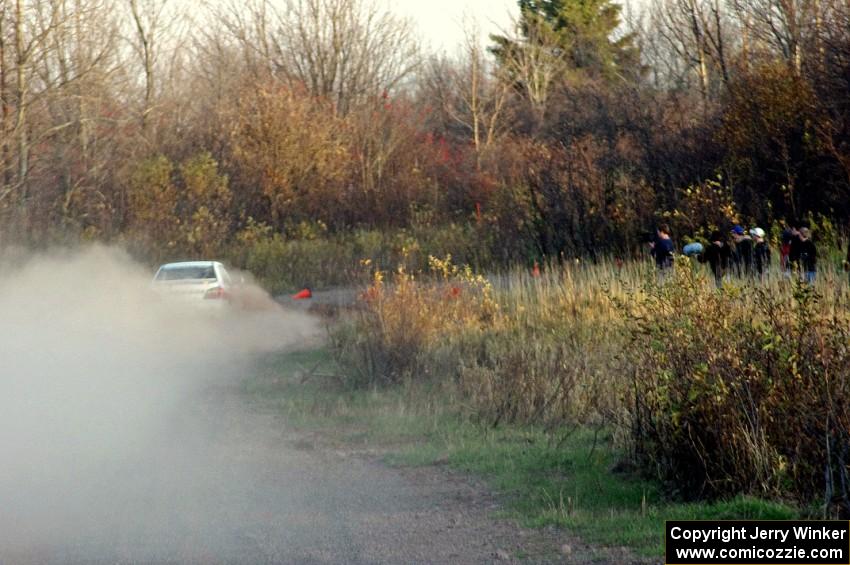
[(125, 438), (234, 485)]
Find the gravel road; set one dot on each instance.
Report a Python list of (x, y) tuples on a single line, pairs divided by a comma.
[(126, 438), (234, 485)]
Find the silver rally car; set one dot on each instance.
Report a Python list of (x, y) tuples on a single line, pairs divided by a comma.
[(206, 284)]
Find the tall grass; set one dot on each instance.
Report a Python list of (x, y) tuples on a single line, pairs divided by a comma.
[(553, 360), (519, 348), (742, 390)]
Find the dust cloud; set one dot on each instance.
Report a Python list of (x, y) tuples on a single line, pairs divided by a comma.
[(101, 453)]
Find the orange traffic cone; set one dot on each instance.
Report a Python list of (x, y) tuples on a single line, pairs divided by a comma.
[(306, 293)]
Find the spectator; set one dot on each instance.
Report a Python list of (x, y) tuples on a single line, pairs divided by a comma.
[(794, 253), (808, 256), (761, 253), (743, 256), (662, 249), (785, 248), (693, 249), (717, 254)]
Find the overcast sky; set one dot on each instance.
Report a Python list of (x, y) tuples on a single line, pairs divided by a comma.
[(440, 22)]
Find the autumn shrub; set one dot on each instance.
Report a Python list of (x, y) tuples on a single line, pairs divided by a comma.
[(703, 207), (716, 392), (741, 390), (292, 148), (524, 348), (282, 264), (178, 210), (310, 256), (407, 325)]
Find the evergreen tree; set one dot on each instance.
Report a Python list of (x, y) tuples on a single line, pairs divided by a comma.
[(583, 34)]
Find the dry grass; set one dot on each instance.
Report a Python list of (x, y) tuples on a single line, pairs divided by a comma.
[(717, 392)]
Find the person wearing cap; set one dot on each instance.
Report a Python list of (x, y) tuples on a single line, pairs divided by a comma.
[(743, 255), (761, 253), (717, 254), (808, 256)]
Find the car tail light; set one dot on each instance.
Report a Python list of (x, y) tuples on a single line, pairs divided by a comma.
[(215, 293)]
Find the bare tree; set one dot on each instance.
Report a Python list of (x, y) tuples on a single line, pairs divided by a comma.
[(33, 23), (699, 33), (76, 74), (246, 24), (469, 93), (348, 51), (152, 23), (785, 27), (533, 59)]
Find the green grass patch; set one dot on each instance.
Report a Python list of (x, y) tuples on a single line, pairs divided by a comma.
[(306, 387), (568, 481)]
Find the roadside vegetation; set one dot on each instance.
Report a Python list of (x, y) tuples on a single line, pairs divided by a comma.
[(316, 258), (591, 396)]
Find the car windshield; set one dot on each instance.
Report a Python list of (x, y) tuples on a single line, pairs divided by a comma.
[(185, 273)]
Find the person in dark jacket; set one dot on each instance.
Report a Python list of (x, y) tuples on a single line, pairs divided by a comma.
[(717, 254), (662, 249), (743, 254), (795, 249), (761, 253), (808, 256)]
